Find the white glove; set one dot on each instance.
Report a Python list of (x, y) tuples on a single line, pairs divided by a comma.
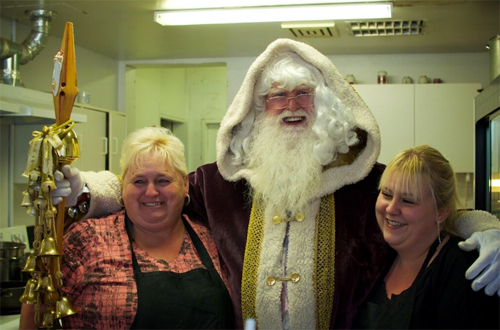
[(487, 265), (69, 183)]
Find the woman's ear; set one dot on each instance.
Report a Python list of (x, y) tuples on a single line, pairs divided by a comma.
[(443, 214), (186, 184)]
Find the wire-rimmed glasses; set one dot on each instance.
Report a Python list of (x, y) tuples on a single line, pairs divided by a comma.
[(303, 100)]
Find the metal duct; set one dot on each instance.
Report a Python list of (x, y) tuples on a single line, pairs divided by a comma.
[(13, 54)]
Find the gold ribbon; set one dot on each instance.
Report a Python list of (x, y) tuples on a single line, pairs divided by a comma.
[(324, 268)]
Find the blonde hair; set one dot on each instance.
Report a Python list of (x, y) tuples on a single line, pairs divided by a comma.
[(153, 141), (422, 167)]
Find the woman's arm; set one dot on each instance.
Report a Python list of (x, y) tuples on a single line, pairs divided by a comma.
[(27, 320)]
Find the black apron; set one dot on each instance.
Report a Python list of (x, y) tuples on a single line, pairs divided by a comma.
[(380, 312), (197, 299)]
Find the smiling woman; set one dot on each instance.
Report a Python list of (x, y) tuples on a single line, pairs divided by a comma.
[(146, 266), (155, 186), (415, 208)]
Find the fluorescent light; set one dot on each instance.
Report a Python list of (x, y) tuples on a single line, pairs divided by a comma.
[(274, 14), (198, 4)]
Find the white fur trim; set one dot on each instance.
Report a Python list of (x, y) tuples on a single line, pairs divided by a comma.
[(105, 190), (268, 297), (300, 259), (472, 221)]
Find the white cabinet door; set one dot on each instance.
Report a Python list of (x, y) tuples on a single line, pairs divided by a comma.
[(392, 106), (117, 133), (93, 153), (444, 119), (92, 139), (91, 136)]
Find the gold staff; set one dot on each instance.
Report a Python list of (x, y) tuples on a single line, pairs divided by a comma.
[(64, 93), (49, 150)]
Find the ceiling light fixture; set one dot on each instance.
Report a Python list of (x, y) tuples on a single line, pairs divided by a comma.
[(274, 14), (199, 4)]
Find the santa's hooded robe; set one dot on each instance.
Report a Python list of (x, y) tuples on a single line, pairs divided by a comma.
[(335, 252)]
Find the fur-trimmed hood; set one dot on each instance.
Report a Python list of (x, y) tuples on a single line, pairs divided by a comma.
[(335, 175)]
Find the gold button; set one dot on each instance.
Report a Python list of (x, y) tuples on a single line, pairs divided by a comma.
[(295, 277), (276, 219), (271, 280), (299, 216)]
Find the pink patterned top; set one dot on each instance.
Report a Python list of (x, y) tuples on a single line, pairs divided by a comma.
[(98, 272)]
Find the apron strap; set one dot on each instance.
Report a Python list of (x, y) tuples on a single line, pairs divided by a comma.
[(200, 248)]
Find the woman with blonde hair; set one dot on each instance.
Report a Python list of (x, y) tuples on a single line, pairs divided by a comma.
[(146, 266), (425, 286)]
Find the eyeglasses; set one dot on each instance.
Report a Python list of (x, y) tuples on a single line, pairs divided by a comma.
[(281, 101)]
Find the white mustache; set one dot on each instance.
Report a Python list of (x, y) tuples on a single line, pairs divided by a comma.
[(296, 113)]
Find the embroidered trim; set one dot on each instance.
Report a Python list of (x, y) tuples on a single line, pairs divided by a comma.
[(324, 270), (251, 262)]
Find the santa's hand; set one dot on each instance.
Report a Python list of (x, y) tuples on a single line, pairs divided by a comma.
[(69, 183), (486, 269)]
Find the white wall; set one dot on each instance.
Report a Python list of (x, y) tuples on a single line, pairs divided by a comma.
[(96, 74), (450, 68)]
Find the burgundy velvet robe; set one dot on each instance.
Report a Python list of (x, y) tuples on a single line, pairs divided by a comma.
[(360, 251)]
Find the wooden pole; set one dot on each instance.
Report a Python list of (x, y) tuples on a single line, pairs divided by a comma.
[(64, 92)]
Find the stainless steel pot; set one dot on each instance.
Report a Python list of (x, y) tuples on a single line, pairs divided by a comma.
[(12, 258), (10, 292)]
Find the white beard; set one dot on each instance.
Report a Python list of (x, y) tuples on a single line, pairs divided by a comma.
[(285, 171)]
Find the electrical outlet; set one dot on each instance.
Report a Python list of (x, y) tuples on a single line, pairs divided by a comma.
[(17, 234)]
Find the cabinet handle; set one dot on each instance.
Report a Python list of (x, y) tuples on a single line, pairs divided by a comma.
[(105, 145), (115, 146)]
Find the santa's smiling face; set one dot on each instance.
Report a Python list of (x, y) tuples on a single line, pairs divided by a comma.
[(295, 108)]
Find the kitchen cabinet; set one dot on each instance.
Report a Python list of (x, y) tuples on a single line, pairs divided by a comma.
[(92, 142), (440, 115), (393, 107), (25, 105), (117, 130), (444, 119), (99, 140)]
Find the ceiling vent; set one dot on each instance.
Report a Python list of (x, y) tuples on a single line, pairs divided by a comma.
[(312, 30), (387, 28)]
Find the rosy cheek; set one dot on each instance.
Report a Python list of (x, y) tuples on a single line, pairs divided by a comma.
[(274, 112), (380, 206)]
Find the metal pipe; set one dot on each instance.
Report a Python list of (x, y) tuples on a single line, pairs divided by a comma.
[(13, 54), (40, 34)]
